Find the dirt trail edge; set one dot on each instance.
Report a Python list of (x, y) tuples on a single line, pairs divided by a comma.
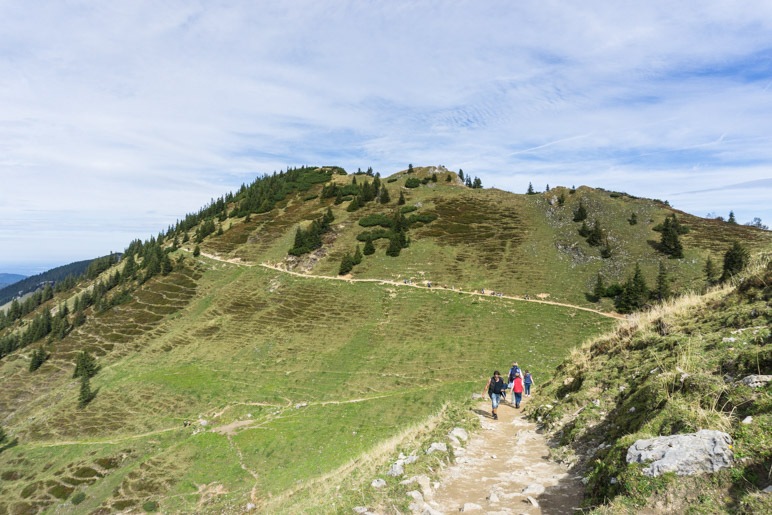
[(505, 469)]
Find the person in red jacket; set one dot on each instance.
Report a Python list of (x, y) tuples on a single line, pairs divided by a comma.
[(517, 390)]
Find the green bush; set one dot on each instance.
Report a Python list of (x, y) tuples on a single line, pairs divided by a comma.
[(150, 506), (412, 182), (78, 498), (408, 209), (376, 219)]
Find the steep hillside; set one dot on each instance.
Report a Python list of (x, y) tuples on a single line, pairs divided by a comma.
[(677, 369), (235, 366), (8, 279)]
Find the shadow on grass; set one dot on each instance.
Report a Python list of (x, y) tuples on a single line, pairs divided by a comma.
[(12, 443)]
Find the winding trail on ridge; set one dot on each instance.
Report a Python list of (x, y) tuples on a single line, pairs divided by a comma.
[(277, 268)]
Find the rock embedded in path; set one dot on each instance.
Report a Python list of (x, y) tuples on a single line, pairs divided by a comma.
[(437, 447), (686, 455), (470, 506), (534, 489), (460, 433)]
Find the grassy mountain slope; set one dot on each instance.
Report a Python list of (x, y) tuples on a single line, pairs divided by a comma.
[(673, 370), (205, 370)]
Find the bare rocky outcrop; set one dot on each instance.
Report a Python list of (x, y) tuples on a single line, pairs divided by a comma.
[(686, 455), (756, 381)]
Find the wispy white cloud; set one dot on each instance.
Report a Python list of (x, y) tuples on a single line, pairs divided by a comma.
[(120, 117)]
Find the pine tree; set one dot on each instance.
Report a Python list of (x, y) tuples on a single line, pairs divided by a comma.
[(85, 365), (663, 284), (670, 244), (600, 289), (369, 247), (595, 238), (410, 168), (584, 230), (3, 435), (461, 174), (86, 395), (735, 260), (581, 212), (468, 182), (434, 177), (339, 197), (196, 251), (711, 272), (401, 201), (477, 183), (385, 198), (530, 190), (547, 188), (394, 246), (633, 220), (346, 265), (731, 220), (353, 205), (448, 178), (634, 293), (357, 256), (39, 356), (561, 198)]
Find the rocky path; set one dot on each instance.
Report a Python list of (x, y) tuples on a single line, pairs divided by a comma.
[(504, 469)]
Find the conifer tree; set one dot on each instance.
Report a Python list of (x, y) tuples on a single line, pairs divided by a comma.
[(86, 395), (669, 243), (3, 435), (735, 260), (731, 220), (85, 365), (394, 247), (595, 238), (711, 272), (634, 292), (461, 174), (369, 247), (410, 168), (385, 198), (561, 198), (584, 230), (196, 251), (346, 265), (468, 182), (39, 356), (353, 205), (600, 289), (357, 256), (530, 190), (581, 212), (434, 177), (448, 178), (633, 220), (663, 284), (477, 183), (339, 197), (401, 201)]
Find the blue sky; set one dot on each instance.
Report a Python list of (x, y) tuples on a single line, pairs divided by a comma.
[(120, 117)]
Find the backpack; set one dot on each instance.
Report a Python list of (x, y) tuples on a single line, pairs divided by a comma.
[(513, 372)]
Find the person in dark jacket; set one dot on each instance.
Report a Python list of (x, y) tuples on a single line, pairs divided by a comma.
[(494, 387)]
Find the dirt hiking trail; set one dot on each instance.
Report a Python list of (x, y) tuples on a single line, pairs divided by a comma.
[(505, 469)]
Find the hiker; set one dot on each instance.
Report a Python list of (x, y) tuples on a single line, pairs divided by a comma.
[(494, 386), (528, 381), (517, 390), (513, 372)]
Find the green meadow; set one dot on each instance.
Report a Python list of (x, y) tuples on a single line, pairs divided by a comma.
[(312, 374)]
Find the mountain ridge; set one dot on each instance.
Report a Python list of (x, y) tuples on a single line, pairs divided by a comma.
[(310, 375)]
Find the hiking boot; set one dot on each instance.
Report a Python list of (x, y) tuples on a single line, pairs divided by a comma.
[(495, 416)]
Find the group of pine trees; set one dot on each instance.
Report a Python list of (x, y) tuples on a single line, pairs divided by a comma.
[(475, 183), (595, 236), (310, 239), (670, 243), (635, 294), (358, 194)]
